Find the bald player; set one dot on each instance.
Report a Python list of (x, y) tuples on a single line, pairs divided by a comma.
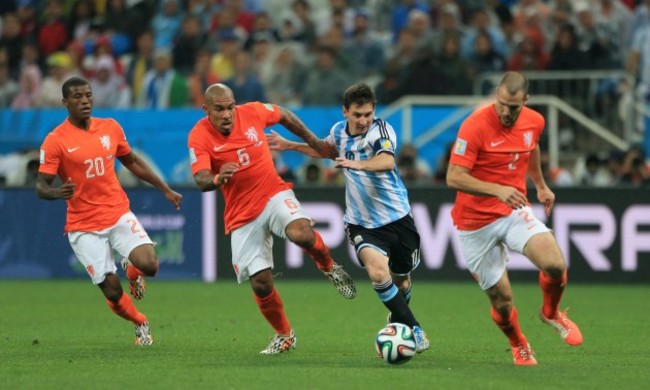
[(229, 151), (497, 146)]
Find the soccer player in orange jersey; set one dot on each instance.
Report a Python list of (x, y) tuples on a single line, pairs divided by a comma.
[(82, 152), (229, 151), (496, 147)]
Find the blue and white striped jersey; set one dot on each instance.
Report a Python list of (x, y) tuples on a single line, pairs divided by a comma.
[(372, 199)]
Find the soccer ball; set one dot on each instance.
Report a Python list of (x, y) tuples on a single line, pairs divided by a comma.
[(395, 343)]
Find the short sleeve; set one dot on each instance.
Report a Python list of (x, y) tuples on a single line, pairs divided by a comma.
[(268, 113), (199, 156), (49, 157), (123, 147), (382, 138), (466, 146)]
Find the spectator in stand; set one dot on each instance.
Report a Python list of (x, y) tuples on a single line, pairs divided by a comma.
[(166, 24), (454, 70), (481, 22), (400, 14), (634, 171), (594, 174), (162, 86), (485, 59), (186, 46), (244, 83), (30, 55), (77, 53), (555, 177), (334, 38), (8, 87), (202, 10), (322, 86), (141, 62), (243, 18), (12, 42), (597, 39), (201, 78), (82, 17), (108, 86), (530, 54), (440, 175), (225, 21), (449, 24), (58, 66), (419, 24), (566, 54), (26, 12), (618, 18), (262, 30), (412, 168), (222, 62), (367, 48), (301, 24), (53, 33), (263, 52), (28, 88), (287, 76)]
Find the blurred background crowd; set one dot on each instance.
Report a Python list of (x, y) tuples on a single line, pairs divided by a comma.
[(163, 54)]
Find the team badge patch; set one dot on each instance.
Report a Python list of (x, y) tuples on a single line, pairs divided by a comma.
[(192, 156), (358, 239), (42, 159), (386, 144), (268, 106), (528, 138), (461, 146)]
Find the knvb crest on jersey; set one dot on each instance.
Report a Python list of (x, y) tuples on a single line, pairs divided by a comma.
[(528, 138), (106, 141), (251, 134)]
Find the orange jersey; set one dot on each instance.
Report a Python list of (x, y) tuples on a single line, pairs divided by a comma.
[(88, 158), (493, 154), (256, 180)]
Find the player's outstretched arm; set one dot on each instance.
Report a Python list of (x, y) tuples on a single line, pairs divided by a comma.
[(379, 163), (279, 143), (142, 170), (208, 181), (44, 189), (289, 120)]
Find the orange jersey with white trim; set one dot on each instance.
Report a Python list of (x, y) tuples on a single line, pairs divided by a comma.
[(494, 154), (256, 180), (88, 158)]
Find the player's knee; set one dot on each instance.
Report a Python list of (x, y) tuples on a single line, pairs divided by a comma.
[(301, 233), (555, 271), (111, 288), (262, 284)]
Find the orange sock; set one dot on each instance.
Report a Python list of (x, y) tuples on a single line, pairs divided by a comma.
[(132, 272), (321, 254), (509, 326), (273, 310), (127, 310), (552, 290)]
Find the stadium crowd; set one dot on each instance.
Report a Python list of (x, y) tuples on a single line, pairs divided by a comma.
[(164, 53)]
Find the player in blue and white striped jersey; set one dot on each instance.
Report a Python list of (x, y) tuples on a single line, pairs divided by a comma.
[(378, 215)]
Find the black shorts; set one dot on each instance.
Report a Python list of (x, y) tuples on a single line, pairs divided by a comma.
[(399, 241)]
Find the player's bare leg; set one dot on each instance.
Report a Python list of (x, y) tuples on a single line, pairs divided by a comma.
[(301, 233), (121, 304), (504, 314), (543, 251), (270, 304), (142, 261)]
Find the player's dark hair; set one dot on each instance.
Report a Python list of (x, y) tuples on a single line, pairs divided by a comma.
[(514, 82), (72, 82), (359, 94)]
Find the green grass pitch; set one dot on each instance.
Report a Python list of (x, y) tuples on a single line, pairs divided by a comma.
[(60, 334)]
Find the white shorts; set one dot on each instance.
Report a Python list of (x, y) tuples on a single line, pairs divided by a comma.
[(485, 249), (95, 249), (252, 244)]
